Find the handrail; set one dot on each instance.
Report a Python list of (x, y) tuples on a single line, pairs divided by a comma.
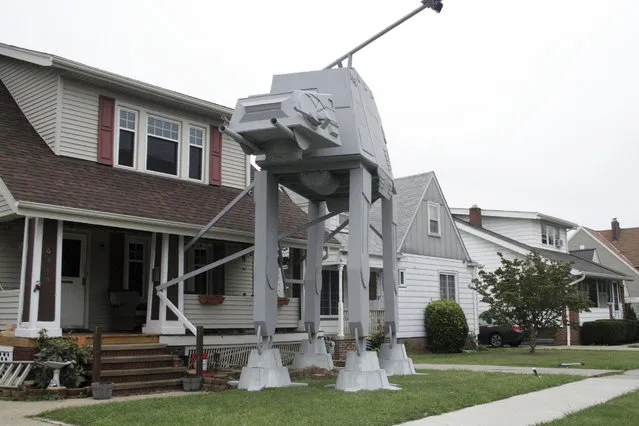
[(188, 324)]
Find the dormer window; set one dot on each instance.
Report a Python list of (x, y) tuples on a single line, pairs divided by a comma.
[(433, 219), (126, 138), (550, 235), (163, 140)]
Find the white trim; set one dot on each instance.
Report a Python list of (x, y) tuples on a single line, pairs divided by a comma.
[(36, 272), (340, 300), (401, 278), (455, 275), (203, 148), (149, 294), (116, 145), (180, 273), (6, 194), (457, 211), (438, 206), (84, 238), (178, 142), (58, 275), (164, 276), (23, 268)]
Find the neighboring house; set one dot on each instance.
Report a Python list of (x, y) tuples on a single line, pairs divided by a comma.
[(432, 261), (516, 234), (615, 248), (103, 179)]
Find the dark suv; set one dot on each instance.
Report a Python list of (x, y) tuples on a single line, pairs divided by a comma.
[(497, 336)]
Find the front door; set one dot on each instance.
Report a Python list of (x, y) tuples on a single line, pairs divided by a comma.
[(73, 281)]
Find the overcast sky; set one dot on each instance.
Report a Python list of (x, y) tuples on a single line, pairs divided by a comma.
[(514, 104)]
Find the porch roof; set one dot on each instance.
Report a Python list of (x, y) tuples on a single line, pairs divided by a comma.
[(33, 173)]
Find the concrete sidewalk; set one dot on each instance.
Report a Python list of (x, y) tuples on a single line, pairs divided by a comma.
[(14, 412), (541, 406), (518, 370), (593, 348)]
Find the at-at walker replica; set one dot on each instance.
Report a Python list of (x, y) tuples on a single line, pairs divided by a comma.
[(319, 134)]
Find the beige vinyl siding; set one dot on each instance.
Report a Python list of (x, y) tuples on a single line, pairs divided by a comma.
[(421, 277), (8, 308), (238, 274), (79, 121), (35, 90), (11, 234), (235, 313), (234, 167)]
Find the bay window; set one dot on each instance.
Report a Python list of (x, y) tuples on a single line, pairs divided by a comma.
[(163, 140)]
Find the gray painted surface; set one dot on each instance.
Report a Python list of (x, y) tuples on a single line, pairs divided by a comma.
[(606, 258), (35, 90), (5, 209), (419, 241), (11, 234)]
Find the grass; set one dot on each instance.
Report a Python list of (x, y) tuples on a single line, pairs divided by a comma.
[(435, 393), (598, 359), (623, 410)]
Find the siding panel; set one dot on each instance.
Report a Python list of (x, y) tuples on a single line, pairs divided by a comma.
[(421, 276), (79, 122), (233, 164), (11, 234), (35, 90), (8, 308), (238, 275)]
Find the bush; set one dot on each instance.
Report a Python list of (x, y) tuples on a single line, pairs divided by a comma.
[(446, 327), (609, 332), (375, 340), (61, 349), (629, 313)]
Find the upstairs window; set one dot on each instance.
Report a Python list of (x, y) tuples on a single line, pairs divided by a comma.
[(126, 137), (433, 219), (447, 286), (196, 152), (550, 235), (163, 140)]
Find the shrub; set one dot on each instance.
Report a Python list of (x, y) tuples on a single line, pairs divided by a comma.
[(629, 313), (61, 349), (446, 327), (375, 340), (609, 332)]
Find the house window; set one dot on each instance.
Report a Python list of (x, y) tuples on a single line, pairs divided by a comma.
[(163, 139), (549, 235), (135, 266), (126, 137), (402, 282), (447, 286), (330, 293), (372, 286), (211, 281), (196, 152), (433, 219)]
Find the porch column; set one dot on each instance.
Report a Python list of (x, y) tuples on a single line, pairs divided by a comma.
[(150, 285), (41, 276), (340, 303)]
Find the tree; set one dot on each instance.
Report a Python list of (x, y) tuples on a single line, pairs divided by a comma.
[(533, 293)]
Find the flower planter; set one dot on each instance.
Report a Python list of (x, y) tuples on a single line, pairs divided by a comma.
[(190, 384), (282, 301), (102, 390), (211, 300)]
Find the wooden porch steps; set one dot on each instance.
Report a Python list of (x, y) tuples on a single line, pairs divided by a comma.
[(118, 339), (137, 368)]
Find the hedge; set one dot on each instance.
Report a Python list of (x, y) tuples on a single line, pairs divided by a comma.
[(610, 332), (446, 326)]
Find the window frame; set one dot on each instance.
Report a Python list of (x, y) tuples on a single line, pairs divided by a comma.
[(145, 245), (430, 204), (136, 132), (326, 285), (203, 148), (455, 284), (401, 278), (550, 233), (178, 166)]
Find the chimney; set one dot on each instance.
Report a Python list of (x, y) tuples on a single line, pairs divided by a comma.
[(474, 216), (616, 230)]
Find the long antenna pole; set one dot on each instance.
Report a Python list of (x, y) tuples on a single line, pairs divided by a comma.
[(436, 5)]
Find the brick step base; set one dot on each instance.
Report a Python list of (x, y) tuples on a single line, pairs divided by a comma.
[(142, 374), (135, 362), (144, 349), (135, 388)]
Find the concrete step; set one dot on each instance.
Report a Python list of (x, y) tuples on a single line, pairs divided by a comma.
[(133, 388), (142, 374)]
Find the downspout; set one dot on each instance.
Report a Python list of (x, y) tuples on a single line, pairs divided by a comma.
[(568, 324)]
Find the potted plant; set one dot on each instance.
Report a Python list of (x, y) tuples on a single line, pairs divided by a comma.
[(102, 390), (191, 383)]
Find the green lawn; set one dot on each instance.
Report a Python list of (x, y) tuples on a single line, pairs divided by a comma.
[(435, 393), (623, 410), (608, 360)]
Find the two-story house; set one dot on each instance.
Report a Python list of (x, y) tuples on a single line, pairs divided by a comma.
[(432, 263), (103, 180), (515, 234)]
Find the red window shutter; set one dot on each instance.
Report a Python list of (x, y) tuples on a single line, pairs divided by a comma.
[(105, 130), (215, 166)]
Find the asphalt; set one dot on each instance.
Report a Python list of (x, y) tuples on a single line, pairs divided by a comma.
[(541, 406)]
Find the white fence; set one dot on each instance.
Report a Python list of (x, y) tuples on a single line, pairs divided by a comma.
[(8, 307)]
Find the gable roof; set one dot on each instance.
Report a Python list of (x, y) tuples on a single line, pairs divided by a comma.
[(582, 265), (35, 176), (627, 245), (115, 81), (513, 214)]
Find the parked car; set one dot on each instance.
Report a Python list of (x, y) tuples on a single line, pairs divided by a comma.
[(496, 335)]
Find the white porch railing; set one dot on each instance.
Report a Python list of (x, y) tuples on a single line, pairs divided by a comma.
[(8, 307), (236, 312), (376, 321)]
